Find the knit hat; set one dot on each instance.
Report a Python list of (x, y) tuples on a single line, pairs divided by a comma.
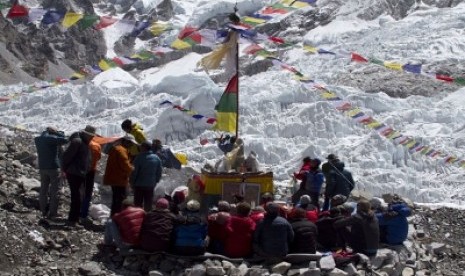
[(162, 203), (193, 205), (305, 199)]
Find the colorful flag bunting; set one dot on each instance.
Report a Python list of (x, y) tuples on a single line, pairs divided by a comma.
[(139, 28)]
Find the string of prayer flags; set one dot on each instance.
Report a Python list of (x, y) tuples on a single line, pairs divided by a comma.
[(195, 115)]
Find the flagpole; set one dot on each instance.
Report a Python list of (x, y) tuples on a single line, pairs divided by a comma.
[(237, 72)]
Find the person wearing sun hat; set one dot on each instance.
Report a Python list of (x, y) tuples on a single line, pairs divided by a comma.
[(191, 231), (76, 164), (96, 155), (157, 227)]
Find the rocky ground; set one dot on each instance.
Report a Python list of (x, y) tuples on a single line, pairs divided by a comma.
[(31, 247)]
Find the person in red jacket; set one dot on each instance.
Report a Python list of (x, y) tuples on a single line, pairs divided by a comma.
[(123, 229), (217, 227), (240, 228)]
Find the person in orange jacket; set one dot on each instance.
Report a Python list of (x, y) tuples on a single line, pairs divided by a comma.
[(117, 173), (96, 155)]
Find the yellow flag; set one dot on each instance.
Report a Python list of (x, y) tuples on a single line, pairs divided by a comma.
[(310, 49), (253, 20), (393, 65), (158, 28), (103, 64), (374, 124), (71, 18), (328, 95), (178, 44), (353, 112)]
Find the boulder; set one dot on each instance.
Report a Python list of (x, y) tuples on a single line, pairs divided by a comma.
[(281, 268)]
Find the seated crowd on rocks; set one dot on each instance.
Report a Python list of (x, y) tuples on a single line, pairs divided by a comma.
[(174, 223)]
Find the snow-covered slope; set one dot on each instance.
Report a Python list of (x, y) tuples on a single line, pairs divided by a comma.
[(282, 121)]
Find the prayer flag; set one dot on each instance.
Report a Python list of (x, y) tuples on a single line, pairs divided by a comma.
[(105, 21), (358, 58), (444, 78), (393, 65), (88, 21), (158, 28), (139, 28), (412, 68), (71, 18), (178, 44), (227, 107), (459, 81), (52, 16), (36, 14), (17, 11)]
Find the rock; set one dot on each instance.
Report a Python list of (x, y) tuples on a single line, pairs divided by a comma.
[(215, 270), (292, 272), (281, 268), (155, 273), (257, 271), (90, 269), (243, 268), (437, 248), (227, 265), (327, 263), (29, 183), (198, 270), (167, 266), (408, 271), (350, 269), (337, 272)]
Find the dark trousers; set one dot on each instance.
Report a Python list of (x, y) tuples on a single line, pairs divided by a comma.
[(315, 199), (75, 183), (326, 204), (119, 194), (89, 188), (143, 196)]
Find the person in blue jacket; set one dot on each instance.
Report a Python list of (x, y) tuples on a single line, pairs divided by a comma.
[(48, 146), (314, 181), (145, 176), (393, 223), (190, 231)]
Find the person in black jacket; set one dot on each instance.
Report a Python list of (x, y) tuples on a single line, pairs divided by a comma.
[(305, 233), (328, 238), (157, 228), (76, 163), (339, 182), (364, 229), (273, 234)]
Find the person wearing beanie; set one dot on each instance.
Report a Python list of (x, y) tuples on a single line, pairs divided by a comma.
[(273, 234), (157, 228), (145, 176), (306, 204), (364, 231), (190, 231)]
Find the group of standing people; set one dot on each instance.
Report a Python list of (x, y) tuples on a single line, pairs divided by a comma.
[(132, 161)]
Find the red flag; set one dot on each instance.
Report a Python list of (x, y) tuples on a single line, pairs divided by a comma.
[(358, 58), (203, 141), (276, 39), (105, 21), (444, 78), (17, 11)]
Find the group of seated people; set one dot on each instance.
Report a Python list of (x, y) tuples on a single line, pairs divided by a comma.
[(268, 230)]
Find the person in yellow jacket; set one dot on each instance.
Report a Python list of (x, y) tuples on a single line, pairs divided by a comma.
[(135, 130), (117, 173)]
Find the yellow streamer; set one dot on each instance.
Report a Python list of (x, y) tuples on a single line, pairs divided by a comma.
[(71, 18), (393, 65)]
